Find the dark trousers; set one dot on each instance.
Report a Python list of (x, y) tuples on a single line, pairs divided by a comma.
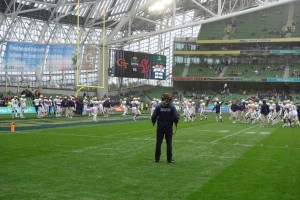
[(160, 134)]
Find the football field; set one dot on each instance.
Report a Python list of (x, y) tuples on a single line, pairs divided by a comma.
[(114, 159)]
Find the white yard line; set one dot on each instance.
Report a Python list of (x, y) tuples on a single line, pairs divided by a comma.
[(227, 136), (139, 131)]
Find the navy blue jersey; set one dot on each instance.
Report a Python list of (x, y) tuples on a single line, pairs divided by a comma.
[(64, 103), (106, 104), (218, 107), (242, 107), (277, 107), (235, 107), (70, 103)]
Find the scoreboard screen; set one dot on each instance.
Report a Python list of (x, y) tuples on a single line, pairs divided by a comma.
[(140, 65)]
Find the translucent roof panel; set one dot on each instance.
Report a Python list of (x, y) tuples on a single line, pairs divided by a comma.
[(120, 8), (99, 9)]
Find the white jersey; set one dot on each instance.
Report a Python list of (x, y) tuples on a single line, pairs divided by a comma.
[(124, 104), (135, 107), (85, 102), (46, 102), (36, 102), (176, 104), (15, 103), (50, 102), (202, 107), (58, 103), (229, 107), (293, 107), (101, 105), (192, 108), (153, 104), (95, 103), (138, 104), (55, 101), (133, 104), (184, 104), (23, 102)]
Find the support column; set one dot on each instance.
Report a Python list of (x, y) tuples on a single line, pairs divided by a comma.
[(102, 73)]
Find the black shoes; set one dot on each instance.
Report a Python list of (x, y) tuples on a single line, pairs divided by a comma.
[(171, 161)]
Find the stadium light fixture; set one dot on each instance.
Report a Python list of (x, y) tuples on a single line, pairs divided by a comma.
[(160, 5)]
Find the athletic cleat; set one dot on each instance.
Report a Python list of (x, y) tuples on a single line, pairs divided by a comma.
[(171, 161)]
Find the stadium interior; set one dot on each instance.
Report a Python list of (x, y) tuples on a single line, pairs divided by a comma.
[(253, 51), (84, 109)]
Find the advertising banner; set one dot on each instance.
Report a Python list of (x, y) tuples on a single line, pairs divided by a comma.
[(295, 80), (23, 57), (285, 51), (61, 58), (89, 58), (7, 110)]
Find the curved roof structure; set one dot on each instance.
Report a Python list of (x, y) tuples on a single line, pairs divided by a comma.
[(136, 25), (58, 21)]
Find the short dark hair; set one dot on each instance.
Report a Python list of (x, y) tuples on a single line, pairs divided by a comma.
[(166, 97)]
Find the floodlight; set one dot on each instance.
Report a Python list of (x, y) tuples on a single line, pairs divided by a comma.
[(157, 7), (160, 5), (167, 2)]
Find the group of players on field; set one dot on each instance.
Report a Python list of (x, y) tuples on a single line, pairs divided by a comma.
[(262, 112), (243, 111)]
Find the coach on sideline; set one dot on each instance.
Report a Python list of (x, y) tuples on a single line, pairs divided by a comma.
[(165, 114)]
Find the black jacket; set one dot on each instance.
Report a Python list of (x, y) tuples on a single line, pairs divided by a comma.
[(218, 107), (165, 114), (264, 109)]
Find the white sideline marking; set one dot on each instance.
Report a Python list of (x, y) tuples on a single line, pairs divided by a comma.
[(223, 131), (132, 132), (232, 157), (264, 133), (232, 134)]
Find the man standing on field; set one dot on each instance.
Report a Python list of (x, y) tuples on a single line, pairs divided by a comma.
[(264, 110), (165, 114)]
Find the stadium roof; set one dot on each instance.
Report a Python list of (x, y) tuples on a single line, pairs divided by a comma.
[(131, 17)]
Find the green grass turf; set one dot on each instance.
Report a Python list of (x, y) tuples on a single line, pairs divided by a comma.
[(115, 161)]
